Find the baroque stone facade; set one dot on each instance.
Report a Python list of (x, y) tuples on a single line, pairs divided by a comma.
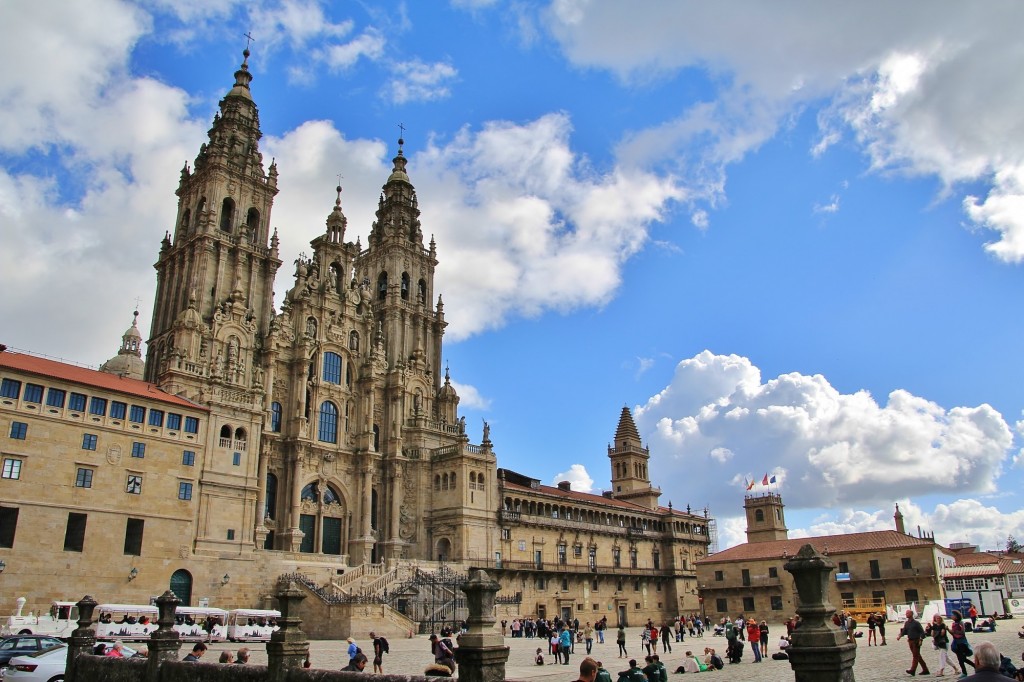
[(328, 438)]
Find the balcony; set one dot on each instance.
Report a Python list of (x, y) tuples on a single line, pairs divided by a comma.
[(568, 568)]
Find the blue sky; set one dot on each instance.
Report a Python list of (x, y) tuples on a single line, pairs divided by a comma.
[(788, 235)]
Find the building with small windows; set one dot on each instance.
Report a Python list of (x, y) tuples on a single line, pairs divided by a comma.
[(322, 438), (872, 568)]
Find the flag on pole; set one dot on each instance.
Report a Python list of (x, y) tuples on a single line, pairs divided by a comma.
[(750, 486), (771, 480), (765, 480)]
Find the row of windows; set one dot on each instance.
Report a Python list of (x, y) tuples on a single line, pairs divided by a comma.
[(556, 511), (74, 532), (100, 407), (227, 216), (12, 467)]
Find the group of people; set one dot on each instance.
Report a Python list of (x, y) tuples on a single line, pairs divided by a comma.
[(199, 650), (745, 629)]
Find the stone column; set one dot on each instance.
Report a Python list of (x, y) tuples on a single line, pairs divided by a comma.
[(396, 502), (482, 653), (296, 502), (164, 642), (83, 639), (288, 646), (820, 651)]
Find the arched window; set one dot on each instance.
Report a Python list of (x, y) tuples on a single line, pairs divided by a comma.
[(452, 482), (382, 286), (275, 417), (200, 209), (252, 221), (437, 481), (311, 327), (240, 434), (331, 495), (759, 515), (186, 218), (270, 510), (423, 291), (444, 482), (328, 430), (405, 286), (310, 493), (227, 214), (225, 432), (332, 368), (353, 340)]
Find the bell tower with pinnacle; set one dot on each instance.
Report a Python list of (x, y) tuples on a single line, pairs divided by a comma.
[(630, 478), (213, 307)]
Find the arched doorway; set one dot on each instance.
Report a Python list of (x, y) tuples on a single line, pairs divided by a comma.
[(181, 586), (444, 549)]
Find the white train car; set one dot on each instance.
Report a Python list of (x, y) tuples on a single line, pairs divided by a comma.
[(128, 622), (252, 625), (191, 624)]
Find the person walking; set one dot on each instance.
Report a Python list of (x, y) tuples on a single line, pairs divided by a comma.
[(600, 627), (666, 639), (959, 644), (620, 639), (914, 633), (588, 636), (880, 622), (379, 649), (972, 613), (940, 641)]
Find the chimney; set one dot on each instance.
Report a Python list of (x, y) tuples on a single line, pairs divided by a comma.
[(564, 485)]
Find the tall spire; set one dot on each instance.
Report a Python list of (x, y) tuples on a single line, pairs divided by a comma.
[(627, 428)]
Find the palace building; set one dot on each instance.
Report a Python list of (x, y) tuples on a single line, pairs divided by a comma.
[(322, 438)]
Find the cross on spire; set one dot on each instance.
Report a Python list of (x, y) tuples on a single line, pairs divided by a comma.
[(401, 127), (248, 39)]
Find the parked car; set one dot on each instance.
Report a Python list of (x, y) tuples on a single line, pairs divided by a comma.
[(19, 645), (43, 666)]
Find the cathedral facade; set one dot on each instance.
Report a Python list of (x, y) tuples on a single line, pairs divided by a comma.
[(325, 435)]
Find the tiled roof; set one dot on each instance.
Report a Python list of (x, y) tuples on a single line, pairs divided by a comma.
[(971, 558), (834, 544), (971, 571), (627, 427), (89, 377), (1011, 565)]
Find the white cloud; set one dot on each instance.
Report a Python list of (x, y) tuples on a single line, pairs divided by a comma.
[(923, 92), (470, 398), (831, 207), (579, 479), (827, 448), (416, 81), (340, 56)]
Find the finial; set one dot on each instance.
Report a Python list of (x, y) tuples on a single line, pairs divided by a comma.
[(337, 202), (401, 137), (248, 39)]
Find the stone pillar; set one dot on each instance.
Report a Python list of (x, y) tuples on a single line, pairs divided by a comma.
[(820, 651), (288, 646), (260, 529), (294, 535), (164, 642), (83, 639), (482, 653)]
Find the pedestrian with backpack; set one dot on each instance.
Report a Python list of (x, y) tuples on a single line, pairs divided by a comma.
[(380, 647)]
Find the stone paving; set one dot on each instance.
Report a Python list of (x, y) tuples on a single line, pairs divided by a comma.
[(874, 664)]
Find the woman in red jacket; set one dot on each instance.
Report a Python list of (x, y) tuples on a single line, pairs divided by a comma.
[(754, 637)]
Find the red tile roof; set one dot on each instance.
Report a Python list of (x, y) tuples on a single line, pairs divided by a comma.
[(971, 558), (835, 544), (972, 571), (90, 377)]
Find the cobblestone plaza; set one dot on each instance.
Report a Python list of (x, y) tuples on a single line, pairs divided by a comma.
[(874, 664)]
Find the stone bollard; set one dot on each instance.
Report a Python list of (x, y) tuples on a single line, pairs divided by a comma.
[(288, 647), (820, 651), (164, 642), (482, 653), (83, 639)]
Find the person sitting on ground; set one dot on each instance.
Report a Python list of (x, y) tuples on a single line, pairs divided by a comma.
[(243, 655), (197, 652), (357, 664), (226, 657), (633, 674), (539, 658), (602, 674), (988, 625), (651, 671), (690, 664)]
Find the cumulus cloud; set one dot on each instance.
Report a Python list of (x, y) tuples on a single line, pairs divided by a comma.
[(578, 478), (922, 92), (470, 397), (718, 421)]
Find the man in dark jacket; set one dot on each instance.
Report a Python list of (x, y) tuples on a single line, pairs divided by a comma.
[(914, 633), (986, 664)]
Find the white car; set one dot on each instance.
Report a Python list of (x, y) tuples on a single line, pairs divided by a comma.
[(44, 666)]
